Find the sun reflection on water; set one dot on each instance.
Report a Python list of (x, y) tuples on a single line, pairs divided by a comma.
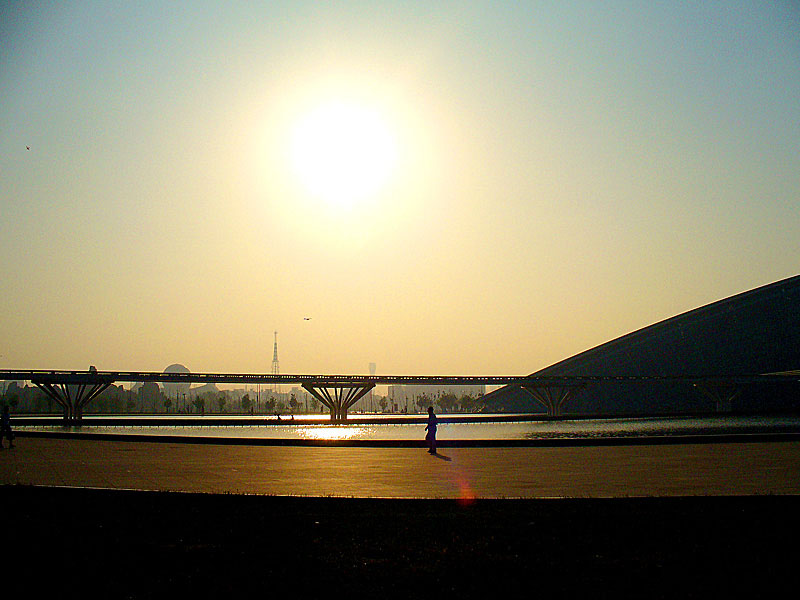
[(334, 432)]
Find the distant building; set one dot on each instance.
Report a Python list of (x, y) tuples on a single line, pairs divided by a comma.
[(754, 332), (206, 388), (4, 385), (179, 389)]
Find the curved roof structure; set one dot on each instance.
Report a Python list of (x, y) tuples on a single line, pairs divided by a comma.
[(754, 332)]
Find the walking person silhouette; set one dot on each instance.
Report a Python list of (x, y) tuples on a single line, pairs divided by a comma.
[(430, 437), (5, 428)]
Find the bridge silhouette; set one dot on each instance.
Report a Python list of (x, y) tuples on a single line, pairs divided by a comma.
[(73, 390)]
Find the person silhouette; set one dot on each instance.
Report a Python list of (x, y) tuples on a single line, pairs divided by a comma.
[(430, 437), (5, 428)]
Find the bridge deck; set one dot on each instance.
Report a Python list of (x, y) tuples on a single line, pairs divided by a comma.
[(73, 390), (85, 377)]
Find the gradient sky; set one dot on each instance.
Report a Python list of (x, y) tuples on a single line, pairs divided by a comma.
[(566, 174)]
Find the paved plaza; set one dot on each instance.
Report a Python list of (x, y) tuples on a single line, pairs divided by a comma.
[(596, 471)]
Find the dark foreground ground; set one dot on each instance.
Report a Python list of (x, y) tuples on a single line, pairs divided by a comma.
[(119, 544)]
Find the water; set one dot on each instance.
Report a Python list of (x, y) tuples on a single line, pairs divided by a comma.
[(514, 430)]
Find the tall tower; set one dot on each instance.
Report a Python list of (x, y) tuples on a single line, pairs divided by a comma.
[(276, 370)]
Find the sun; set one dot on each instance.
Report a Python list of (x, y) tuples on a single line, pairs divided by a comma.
[(343, 152)]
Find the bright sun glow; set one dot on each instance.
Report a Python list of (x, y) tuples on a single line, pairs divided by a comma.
[(332, 433), (343, 152)]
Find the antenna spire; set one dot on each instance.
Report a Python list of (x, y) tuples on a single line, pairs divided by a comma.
[(276, 370)]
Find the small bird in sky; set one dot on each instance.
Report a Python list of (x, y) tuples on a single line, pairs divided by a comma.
[(27, 147), (306, 318)]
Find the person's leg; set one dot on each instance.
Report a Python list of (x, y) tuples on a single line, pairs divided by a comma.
[(431, 444)]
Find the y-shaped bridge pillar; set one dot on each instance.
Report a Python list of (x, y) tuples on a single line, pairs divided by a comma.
[(72, 397), (721, 393), (552, 396), (338, 397)]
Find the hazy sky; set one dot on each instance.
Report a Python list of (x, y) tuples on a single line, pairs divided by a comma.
[(554, 176)]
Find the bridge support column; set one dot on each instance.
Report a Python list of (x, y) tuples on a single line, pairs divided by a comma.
[(338, 397), (553, 398), (72, 398), (722, 394)]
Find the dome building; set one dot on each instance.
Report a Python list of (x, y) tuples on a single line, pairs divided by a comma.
[(752, 333), (176, 390)]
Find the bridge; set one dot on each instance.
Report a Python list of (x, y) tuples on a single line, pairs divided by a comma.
[(73, 390)]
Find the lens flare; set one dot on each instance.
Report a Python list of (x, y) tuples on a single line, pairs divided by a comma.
[(466, 496)]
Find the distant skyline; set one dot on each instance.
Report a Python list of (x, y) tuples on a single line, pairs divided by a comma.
[(458, 188)]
